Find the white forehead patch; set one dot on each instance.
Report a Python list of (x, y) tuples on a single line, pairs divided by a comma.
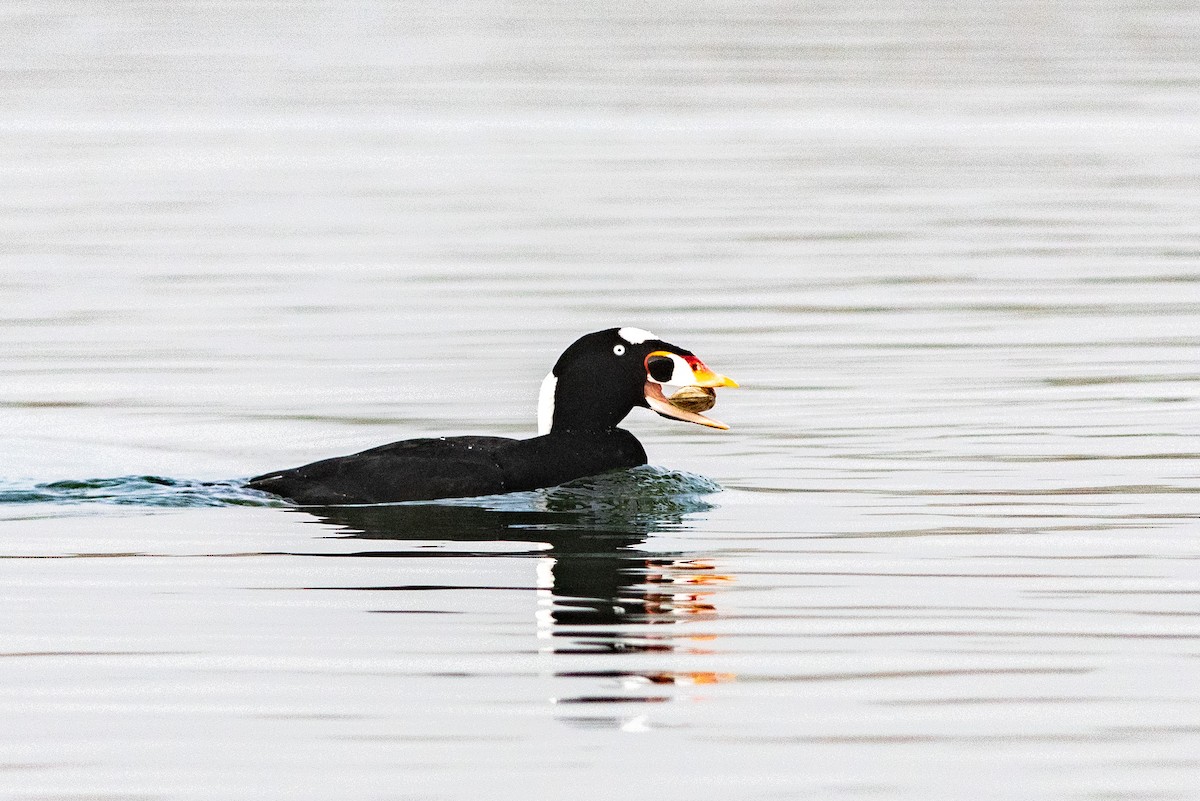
[(635, 336)]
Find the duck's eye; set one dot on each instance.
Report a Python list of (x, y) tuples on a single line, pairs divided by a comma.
[(619, 350)]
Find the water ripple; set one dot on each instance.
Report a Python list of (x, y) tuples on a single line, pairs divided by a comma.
[(642, 494), (152, 491)]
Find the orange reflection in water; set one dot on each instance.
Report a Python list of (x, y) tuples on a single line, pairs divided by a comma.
[(659, 592)]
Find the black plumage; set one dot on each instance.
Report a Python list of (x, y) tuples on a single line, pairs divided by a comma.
[(593, 386)]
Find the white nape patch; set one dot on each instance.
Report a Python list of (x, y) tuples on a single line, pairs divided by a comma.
[(635, 336), (546, 404)]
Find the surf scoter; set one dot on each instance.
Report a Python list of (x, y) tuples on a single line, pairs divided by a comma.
[(593, 386)]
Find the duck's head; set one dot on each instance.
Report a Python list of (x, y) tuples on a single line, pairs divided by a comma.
[(602, 376)]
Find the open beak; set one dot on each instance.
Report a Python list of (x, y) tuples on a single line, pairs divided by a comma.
[(701, 377)]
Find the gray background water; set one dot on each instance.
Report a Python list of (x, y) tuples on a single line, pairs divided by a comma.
[(951, 251)]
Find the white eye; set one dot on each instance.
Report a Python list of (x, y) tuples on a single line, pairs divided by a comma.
[(619, 350)]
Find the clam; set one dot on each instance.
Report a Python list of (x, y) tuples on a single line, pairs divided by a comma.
[(693, 399)]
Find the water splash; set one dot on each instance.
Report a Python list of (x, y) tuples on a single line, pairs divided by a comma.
[(588, 515), (153, 491), (623, 495), (643, 491), (645, 494)]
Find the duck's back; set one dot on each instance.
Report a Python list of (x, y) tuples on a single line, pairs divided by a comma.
[(454, 467), (410, 470)]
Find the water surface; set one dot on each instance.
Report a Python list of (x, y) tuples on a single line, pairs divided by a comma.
[(951, 254)]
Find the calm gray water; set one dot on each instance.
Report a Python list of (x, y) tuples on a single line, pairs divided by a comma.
[(950, 251)]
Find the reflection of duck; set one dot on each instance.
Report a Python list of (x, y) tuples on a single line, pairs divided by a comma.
[(599, 594), (594, 569), (597, 381), (595, 572)]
